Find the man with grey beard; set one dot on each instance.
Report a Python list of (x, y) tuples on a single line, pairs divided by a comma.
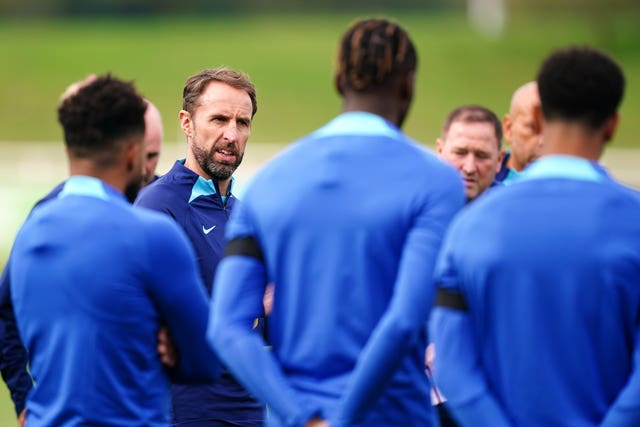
[(218, 106)]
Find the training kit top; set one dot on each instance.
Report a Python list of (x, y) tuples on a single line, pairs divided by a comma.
[(537, 311), (198, 207), (346, 223), (506, 175), (13, 355), (92, 282)]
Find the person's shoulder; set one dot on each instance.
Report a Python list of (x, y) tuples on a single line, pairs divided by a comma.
[(489, 206), (421, 153), (623, 196), (158, 236), (425, 159), (52, 195), (164, 193), (154, 223), (281, 162)]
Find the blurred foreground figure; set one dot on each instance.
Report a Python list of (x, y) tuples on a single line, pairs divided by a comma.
[(153, 136), (13, 357), (540, 326), (93, 279), (347, 224)]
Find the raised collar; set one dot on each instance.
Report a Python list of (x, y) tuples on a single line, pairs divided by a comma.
[(82, 185), (358, 123), (202, 186), (563, 166)]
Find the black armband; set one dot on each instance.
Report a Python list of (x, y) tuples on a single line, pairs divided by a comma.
[(247, 246), (449, 298)]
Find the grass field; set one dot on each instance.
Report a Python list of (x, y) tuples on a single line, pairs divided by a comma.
[(290, 58)]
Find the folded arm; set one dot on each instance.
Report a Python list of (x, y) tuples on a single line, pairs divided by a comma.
[(13, 354), (625, 411), (180, 297), (237, 300)]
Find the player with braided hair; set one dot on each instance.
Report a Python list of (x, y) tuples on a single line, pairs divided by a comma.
[(352, 267)]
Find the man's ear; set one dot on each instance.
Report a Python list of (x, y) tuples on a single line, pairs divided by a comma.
[(338, 83), (135, 155), (186, 123), (407, 86), (507, 124), (538, 119), (610, 127), (439, 145), (500, 157)]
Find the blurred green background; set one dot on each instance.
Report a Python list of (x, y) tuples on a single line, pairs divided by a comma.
[(287, 47), (290, 58)]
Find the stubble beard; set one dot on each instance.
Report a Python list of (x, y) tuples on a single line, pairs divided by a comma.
[(132, 189), (216, 170)]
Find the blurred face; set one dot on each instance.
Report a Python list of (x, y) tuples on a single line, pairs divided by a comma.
[(153, 140), (473, 149), (137, 158), (217, 131), (520, 129)]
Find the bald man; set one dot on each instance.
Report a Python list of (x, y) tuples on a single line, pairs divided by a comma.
[(153, 136), (520, 132)]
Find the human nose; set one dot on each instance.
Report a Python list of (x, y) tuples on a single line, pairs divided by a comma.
[(231, 132), (469, 164)]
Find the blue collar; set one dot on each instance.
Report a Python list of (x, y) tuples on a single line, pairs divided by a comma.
[(82, 185), (357, 123), (562, 166), (206, 187)]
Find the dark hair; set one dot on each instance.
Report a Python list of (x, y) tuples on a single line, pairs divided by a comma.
[(99, 116), (371, 52), (580, 84), (473, 114), (196, 84)]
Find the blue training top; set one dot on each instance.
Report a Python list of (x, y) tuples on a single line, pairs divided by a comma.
[(540, 298), (92, 281), (347, 224), (506, 175), (13, 355), (202, 212)]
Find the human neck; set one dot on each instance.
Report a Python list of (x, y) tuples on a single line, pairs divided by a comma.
[(111, 175), (223, 186), (192, 164), (572, 139), (374, 103), (512, 163)]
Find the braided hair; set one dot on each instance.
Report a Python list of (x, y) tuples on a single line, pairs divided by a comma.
[(373, 51)]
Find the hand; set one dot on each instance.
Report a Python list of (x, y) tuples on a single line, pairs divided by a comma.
[(430, 356), (267, 299), (22, 418), (317, 422), (166, 348)]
